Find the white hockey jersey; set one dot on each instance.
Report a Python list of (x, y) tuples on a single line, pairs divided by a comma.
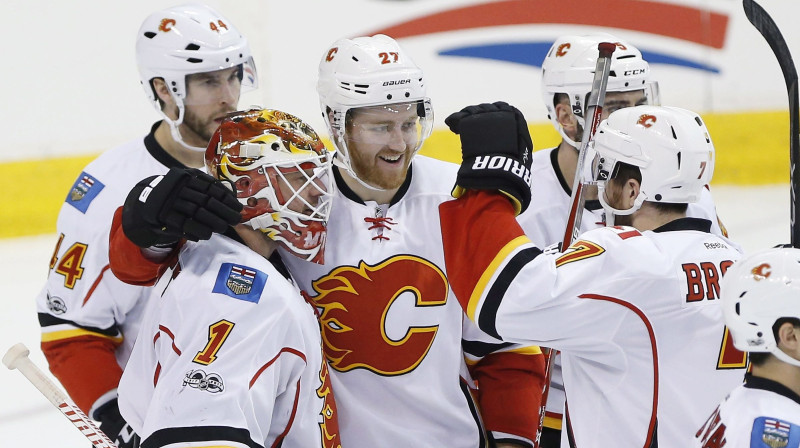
[(229, 354), (395, 337), (544, 222), (626, 308), (89, 317), (759, 414)]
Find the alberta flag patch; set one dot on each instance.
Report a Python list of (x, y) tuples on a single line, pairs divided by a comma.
[(83, 191), (240, 282), (774, 433)]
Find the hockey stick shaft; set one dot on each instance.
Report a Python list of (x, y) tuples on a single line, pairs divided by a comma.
[(762, 21), (17, 358), (594, 112)]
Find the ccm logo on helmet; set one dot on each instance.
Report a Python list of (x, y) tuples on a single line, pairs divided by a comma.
[(647, 120), (761, 271), (562, 49), (638, 71), (396, 83), (502, 163)]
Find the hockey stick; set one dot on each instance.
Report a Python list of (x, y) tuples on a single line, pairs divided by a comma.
[(762, 21), (17, 358), (594, 110)]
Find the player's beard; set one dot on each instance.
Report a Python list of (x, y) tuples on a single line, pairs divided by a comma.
[(369, 170), (204, 128)]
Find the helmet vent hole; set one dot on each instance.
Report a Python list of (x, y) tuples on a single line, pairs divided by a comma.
[(759, 334), (674, 135), (408, 94), (389, 96), (699, 121), (194, 60), (149, 34), (737, 308), (193, 47), (627, 56), (355, 58), (227, 59), (275, 146), (658, 197), (626, 84), (261, 120)]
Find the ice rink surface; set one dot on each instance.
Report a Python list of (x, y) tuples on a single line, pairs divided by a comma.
[(756, 217)]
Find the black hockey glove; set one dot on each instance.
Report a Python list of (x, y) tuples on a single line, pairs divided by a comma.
[(496, 151), (115, 427), (184, 203)]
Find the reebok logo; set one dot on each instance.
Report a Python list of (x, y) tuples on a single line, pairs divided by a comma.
[(398, 82), (503, 163)]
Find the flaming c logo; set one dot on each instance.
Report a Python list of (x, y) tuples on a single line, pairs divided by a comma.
[(562, 49), (355, 303), (620, 46), (166, 25), (331, 53), (761, 271), (647, 120)]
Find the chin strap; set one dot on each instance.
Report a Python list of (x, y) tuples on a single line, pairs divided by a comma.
[(175, 132), (783, 356), (610, 211)]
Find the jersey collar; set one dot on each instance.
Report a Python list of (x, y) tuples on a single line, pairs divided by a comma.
[(350, 194), (756, 382), (699, 224), (591, 205), (158, 152)]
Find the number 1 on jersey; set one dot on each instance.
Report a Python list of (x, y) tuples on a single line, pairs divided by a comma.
[(217, 334)]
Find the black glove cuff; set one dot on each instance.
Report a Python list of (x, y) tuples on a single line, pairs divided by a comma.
[(140, 230)]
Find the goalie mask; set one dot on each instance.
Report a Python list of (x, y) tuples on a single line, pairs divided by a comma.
[(187, 40), (280, 171), (757, 291), (670, 146), (373, 76), (569, 68)]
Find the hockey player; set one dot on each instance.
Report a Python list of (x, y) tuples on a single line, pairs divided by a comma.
[(624, 305), (230, 353), (403, 358), (761, 303), (567, 73), (193, 64)]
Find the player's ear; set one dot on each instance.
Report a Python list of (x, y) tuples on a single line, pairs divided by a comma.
[(789, 337), (566, 118), (631, 191), (165, 98)]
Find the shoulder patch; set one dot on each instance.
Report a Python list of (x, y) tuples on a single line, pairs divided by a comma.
[(240, 282), (83, 191), (771, 432)]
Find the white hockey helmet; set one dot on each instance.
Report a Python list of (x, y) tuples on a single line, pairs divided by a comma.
[(184, 40), (569, 68), (369, 71), (270, 159), (671, 147), (757, 291)]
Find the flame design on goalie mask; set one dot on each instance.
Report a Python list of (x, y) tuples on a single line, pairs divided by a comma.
[(253, 152)]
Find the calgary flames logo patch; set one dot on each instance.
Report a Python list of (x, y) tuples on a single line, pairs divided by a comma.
[(562, 49), (761, 271), (355, 303), (646, 120)]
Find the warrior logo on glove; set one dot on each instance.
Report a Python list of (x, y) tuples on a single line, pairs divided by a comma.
[(496, 151)]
